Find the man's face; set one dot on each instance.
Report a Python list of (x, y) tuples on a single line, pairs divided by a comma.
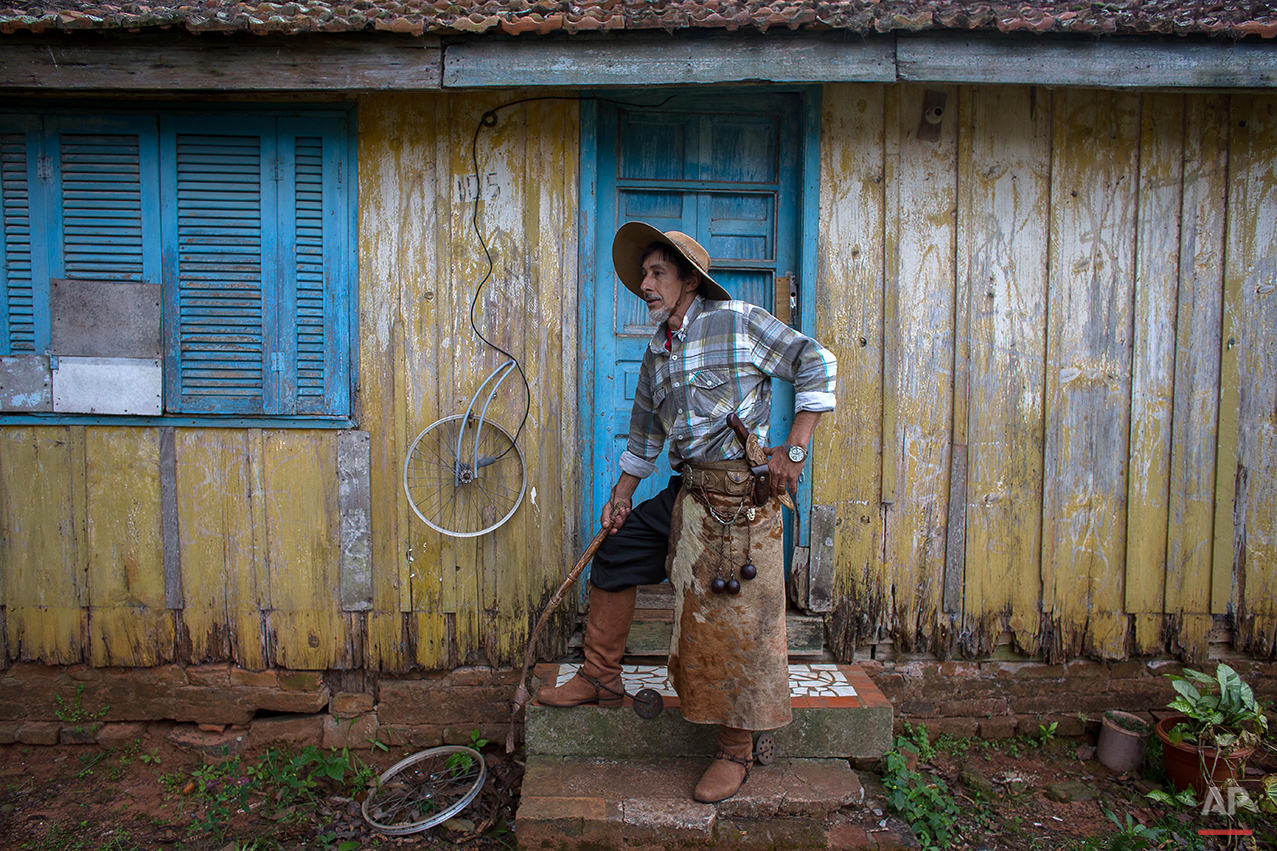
[(661, 287)]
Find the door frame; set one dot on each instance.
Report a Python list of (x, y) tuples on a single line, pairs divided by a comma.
[(594, 417)]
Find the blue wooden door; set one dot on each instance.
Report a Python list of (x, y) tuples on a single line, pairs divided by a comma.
[(724, 169)]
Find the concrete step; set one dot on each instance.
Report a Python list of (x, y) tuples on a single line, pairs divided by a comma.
[(838, 712), (578, 803)]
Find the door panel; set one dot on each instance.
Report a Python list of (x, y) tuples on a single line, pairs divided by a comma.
[(723, 168)]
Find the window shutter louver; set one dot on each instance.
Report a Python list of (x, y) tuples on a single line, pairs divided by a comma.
[(101, 207), (214, 256), (16, 318)]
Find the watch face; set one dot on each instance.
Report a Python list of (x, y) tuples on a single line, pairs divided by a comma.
[(797, 454)]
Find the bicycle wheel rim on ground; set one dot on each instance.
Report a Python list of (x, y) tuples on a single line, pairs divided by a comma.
[(471, 508), (424, 790)]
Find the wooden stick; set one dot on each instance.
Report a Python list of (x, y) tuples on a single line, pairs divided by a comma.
[(521, 694)]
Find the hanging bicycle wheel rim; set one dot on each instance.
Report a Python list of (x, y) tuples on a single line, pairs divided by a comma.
[(425, 789), (445, 487)]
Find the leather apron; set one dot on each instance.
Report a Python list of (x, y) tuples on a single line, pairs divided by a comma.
[(729, 658)]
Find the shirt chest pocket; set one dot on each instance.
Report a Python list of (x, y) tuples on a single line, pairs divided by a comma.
[(711, 393)]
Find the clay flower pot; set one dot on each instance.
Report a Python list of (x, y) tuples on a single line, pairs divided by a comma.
[(1191, 767), (1122, 740)]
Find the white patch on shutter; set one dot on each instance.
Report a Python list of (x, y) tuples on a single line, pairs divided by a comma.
[(107, 386)]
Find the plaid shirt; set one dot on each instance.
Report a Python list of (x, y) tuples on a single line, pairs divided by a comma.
[(720, 361)]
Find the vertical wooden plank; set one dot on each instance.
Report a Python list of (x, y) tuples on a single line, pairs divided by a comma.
[(1245, 563), (222, 555), (398, 285), (891, 260), (848, 320), (1093, 189), (1003, 217), (304, 550), (922, 384), (43, 545), (1196, 401), (1154, 370), (129, 622)]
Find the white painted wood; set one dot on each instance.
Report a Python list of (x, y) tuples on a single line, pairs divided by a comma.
[(1123, 63), (655, 60)]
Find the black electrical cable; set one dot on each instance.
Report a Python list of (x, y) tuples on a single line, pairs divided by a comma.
[(489, 119)]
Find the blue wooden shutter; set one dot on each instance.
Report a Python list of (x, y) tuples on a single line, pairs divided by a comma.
[(216, 188), (255, 256), (311, 322), (17, 332), (107, 175)]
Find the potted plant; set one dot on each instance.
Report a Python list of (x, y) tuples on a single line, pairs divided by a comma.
[(1122, 740), (1218, 726)]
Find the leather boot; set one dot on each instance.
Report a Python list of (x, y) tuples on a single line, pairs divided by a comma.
[(606, 628), (730, 768)]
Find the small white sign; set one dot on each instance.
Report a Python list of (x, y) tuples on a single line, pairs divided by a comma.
[(108, 386)]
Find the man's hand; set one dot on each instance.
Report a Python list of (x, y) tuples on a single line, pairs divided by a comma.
[(614, 513), (784, 473)]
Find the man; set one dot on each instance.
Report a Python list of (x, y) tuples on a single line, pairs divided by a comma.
[(710, 357)]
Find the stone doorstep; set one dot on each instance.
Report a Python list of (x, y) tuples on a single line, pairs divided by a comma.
[(857, 727), (585, 802)]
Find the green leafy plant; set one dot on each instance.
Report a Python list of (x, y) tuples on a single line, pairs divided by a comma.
[(152, 758), (1181, 800), (1221, 711), (1131, 835), (920, 799), (74, 712)]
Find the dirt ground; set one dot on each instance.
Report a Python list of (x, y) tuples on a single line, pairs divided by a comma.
[(151, 795)]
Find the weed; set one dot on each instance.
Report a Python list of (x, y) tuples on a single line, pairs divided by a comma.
[(1131, 835), (329, 842), (152, 759), (88, 762), (75, 713), (921, 800)]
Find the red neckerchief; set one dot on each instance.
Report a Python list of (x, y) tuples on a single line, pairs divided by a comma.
[(669, 338)]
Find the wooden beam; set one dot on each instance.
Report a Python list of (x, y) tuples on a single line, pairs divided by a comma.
[(1123, 63), (171, 62), (660, 60)]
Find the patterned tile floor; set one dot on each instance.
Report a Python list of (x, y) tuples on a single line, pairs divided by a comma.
[(819, 680)]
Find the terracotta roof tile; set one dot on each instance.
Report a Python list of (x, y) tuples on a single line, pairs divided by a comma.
[(1222, 18)]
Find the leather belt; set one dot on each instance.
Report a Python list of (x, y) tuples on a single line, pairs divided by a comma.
[(729, 478)]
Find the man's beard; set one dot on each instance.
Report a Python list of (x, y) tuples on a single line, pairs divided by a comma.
[(658, 315)]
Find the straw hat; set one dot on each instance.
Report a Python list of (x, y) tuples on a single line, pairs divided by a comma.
[(634, 238)]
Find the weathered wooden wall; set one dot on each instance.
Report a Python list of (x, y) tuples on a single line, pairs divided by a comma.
[(443, 601), (1057, 337), (1057, 332), (82, 561)]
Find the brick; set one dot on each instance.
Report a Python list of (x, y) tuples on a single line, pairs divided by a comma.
[(410, 735), (350, 704), (38, 733), (849, 837), (209, 675), (1085, 668), (79, 734), (1002, 727), (1033, 670), (288, 730), (8, 732), (211, 746), (564, 823), (1128, 670), (1069, 726), (301, 680), (966, 670), (460, 735), (415, 701), (960, 728), (981, 707), (27, 672), (121, 733), (478, 675), (358, 733), (242, 677), (210, 706)]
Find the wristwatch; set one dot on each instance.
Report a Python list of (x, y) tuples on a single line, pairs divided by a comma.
[(796, 453)]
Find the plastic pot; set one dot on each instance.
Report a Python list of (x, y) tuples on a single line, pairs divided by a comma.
[(1122, 740), (1191, 767)]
